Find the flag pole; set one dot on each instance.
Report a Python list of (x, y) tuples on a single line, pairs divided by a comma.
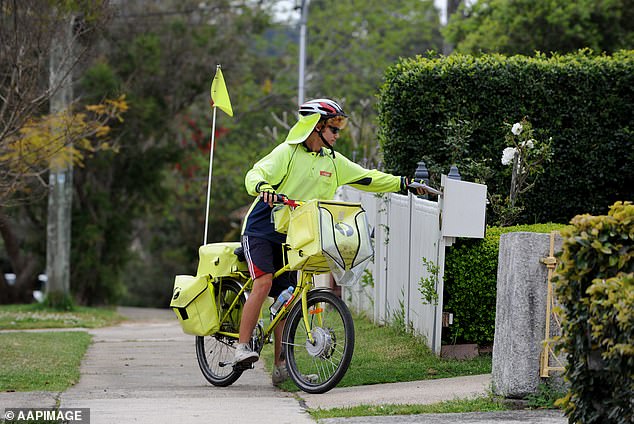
[(211, 165), (219, 99)]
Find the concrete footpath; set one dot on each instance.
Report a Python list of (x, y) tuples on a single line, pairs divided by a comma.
[(145, 371)]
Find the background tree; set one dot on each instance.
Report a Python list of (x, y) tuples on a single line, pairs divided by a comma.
[(264, 106), (147, 204), (26, 30), (162, 54), (526, 26), (26, 141), (139, 214), (350, 44)]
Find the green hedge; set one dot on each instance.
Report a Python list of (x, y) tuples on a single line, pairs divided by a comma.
[(584, 102), (470, 284), (595, 288)]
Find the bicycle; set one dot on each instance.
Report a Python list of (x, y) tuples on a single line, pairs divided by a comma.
[(318, 337)]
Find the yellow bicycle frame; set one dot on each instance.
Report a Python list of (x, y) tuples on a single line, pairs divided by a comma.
[(304, 284)]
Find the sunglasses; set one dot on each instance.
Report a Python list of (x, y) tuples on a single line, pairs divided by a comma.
[(334, 130)]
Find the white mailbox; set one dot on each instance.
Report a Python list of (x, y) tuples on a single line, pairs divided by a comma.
[(463, 208)]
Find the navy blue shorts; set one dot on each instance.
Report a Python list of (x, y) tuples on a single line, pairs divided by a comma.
[(266, 257)]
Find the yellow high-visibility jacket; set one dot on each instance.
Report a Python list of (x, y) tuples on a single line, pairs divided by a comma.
[(295, 171)]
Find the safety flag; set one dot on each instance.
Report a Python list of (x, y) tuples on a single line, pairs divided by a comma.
[(219, 94)]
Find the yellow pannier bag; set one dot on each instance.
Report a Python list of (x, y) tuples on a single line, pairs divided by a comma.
[(218, 260), (194, 305), (330, 236)]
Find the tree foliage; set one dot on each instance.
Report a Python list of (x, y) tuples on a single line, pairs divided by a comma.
[(580, 100), (471, 268), (594, 285), (29, 140), (27, 31), (351, 43), (139, 214), (527, 26), (161, 55), (49, 142), (146, 206), (54, 141)]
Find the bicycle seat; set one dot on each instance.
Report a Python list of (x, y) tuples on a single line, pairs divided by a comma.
[(239, 252)]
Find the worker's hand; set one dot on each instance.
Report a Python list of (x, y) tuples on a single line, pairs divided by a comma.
[(415, 188), (267, 193)]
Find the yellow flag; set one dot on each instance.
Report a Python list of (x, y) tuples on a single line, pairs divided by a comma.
[(219, 94)]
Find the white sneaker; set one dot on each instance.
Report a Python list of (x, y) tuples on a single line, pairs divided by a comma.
[(244, 355)]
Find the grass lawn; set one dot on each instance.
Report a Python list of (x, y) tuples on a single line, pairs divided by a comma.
[(21, 317), (47, 361), (451, 406), (384, 354)]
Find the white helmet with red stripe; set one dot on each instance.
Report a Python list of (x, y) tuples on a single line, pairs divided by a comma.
[(325, 107)]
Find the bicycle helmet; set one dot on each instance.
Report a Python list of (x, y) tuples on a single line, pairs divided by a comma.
[(310, 113), (325, 107)]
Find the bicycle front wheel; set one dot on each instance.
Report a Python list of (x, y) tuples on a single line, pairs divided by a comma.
[(215, 353), (317, 366)]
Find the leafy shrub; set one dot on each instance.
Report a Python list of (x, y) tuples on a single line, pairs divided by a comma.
[(595, 288), (585, 102), (470, 284), (547, 395)]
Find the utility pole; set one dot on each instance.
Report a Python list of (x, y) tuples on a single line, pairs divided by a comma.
[(451, 6), (60, 178), (302, 49)]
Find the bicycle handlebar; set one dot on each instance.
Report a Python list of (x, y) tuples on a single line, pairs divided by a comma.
[(287, 201), (283, 199)]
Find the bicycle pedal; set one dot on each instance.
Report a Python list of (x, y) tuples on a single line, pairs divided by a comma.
[(241, 366)]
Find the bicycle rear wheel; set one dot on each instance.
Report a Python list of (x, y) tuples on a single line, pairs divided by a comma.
[(215, 353), (319, 366)]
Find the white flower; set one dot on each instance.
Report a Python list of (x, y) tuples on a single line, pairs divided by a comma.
[(530, 144), (517, 128), (508, 154)]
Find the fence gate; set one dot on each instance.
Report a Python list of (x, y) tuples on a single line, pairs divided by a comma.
[(409, 232), (553, 321)]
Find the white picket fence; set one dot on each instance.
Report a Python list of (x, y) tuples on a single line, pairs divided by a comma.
[(406, 230)]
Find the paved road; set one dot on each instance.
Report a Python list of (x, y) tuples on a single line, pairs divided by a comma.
[(145, 371)]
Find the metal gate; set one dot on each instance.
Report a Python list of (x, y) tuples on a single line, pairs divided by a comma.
[(553, 322)]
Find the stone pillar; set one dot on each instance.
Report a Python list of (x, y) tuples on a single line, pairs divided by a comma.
[(520, 320)]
